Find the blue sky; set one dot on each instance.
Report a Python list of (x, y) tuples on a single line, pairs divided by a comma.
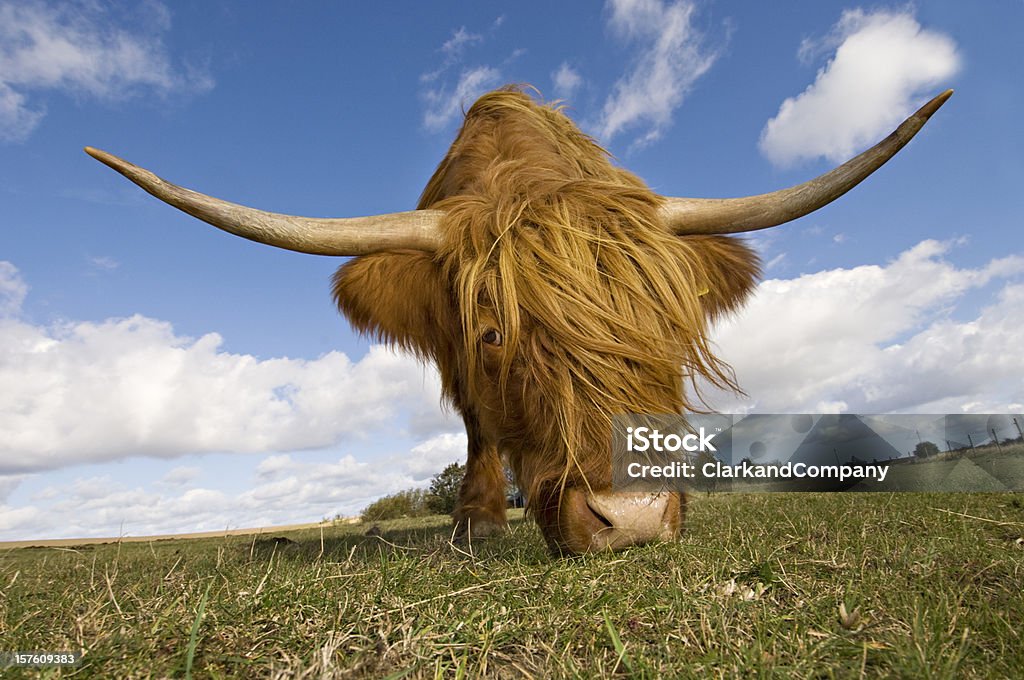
[(157, 375)]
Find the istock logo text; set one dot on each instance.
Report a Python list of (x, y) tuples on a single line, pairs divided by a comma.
[(647, 439)]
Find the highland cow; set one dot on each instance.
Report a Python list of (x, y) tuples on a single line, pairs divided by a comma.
[(552, 290)]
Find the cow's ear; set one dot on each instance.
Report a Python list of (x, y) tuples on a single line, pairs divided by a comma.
[(730, 270), (398, 297)]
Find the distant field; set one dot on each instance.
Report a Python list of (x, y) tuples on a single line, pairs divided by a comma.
[(774, 585), (76, 542), (985, 469)]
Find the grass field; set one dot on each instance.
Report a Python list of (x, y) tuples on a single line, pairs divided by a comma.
[(772, 585)]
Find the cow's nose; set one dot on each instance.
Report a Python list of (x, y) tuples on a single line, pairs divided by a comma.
[(604, 520)]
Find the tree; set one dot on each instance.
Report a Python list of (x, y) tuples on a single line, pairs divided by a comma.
[(444, 489), (925, 449), (701, 481)]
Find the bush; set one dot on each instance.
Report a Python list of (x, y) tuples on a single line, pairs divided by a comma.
[(440, 499), (408, 503)]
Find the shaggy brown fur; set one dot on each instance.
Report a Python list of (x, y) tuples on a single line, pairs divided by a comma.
[(600, 310)]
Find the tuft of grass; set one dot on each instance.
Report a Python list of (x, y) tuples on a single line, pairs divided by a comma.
[(193, 637), (778, 585), (617, 643)]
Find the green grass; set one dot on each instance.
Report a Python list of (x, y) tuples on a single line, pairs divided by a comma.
[(773, 585)]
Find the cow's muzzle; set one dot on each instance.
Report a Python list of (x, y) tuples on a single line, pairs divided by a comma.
[(604, 520)]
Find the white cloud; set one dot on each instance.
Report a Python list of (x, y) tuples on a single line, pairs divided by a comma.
[(100, 507), (92, 391), (285, 489), (78, 48), (181, 476), (17, 120), (884, 65), (16, 522), (774, 262), (82, 392), (446, 102), (430, 457), (293, 479), (452, 49), (671, 59), (13, 289), (879, 339), (566, 81), (103, 263), (454, 46), (8, 483), (445, 105)]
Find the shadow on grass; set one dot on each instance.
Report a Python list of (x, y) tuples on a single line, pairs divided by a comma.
[(420, 537)]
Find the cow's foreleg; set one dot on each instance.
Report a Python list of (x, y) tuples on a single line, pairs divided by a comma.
[(481, 508)]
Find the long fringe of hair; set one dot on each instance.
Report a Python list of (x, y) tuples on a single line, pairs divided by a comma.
[(602, 310)]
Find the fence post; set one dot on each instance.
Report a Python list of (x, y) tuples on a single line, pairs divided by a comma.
[(996, 439)]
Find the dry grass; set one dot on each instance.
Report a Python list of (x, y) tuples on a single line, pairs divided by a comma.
[(780, 585)]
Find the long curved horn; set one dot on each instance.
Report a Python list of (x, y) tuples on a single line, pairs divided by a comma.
[(415, 229), (685, 216)]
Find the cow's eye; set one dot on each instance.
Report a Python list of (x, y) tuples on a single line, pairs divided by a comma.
[(491, 337)]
